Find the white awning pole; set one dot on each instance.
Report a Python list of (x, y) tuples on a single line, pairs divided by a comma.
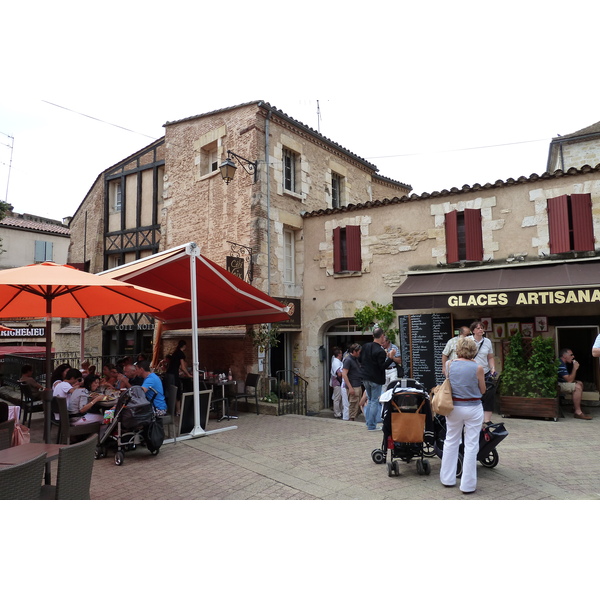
[(192, 250)]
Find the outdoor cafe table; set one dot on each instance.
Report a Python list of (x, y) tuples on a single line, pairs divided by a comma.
[(24, 452), (221, 383)]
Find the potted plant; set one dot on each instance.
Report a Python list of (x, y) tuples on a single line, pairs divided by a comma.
[(528, 388)]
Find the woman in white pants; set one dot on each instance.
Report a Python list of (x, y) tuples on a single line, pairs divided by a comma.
[(468, 384)]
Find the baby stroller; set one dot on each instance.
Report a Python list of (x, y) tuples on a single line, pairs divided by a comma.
[(403, 400), (489, 438), (133, 415)]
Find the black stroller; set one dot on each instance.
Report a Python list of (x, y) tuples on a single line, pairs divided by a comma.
[(133, 415), (408, 397), (489, 438)]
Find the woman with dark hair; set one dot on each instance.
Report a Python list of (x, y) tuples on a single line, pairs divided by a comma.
[(59, 373), (81, 403), (485, 357), (468, 384)]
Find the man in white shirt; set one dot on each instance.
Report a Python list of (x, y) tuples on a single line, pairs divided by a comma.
[(449, 351)]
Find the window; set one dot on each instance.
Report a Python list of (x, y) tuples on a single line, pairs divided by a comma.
[(290, 159), (288, 256), (209, 159), (337, 182), (118, 196), (464, 240), (346, 249), (570, 223), (43, 251)]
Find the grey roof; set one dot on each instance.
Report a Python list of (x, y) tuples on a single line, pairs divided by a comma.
[(33, 225), (455, 191), (589, 130)]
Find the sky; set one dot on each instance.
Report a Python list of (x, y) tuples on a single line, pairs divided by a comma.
[(435, 94)]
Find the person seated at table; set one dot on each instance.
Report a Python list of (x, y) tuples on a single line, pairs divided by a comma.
[(129, 377), (72, 379), (35, 387), (153, 387), (81, 403), (85, 368), (59, 373), (109, 375)]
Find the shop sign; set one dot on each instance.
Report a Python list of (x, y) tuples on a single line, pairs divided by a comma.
[(529, 298), (25, 332), (142, 327), (294, 313)]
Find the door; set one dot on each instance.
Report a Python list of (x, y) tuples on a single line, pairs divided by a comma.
[(580, 340)]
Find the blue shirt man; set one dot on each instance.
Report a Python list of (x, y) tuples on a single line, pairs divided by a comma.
[(153, 386)]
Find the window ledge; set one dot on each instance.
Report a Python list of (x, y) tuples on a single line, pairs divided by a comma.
[(293, 195), (209, 175), (348, 274)]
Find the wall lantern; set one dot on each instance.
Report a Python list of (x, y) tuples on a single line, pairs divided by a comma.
[(228, 167)]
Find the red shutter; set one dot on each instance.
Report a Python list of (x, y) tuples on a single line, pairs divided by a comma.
[(473, 235), (583, 227), (353, 248), (451, 226), (337, 250), (558, 224)]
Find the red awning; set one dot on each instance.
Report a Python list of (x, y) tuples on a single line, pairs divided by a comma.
[(32, 350), (222, 298)]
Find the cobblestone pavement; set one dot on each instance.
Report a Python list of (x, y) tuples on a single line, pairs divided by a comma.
[(308, 458)]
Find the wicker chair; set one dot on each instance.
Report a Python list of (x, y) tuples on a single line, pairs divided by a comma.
[(6, 434), (28, 404), (23, 481), (252, 380), (66, 431), (74, 473)]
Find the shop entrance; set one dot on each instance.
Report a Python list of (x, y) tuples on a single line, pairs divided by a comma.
[(580, 340)]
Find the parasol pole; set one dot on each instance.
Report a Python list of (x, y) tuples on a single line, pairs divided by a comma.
[(48, 393)]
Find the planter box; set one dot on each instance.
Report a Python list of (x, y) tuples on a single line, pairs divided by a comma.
[(514, 406)]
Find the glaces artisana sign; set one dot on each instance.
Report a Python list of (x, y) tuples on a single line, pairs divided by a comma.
[(525, 298)]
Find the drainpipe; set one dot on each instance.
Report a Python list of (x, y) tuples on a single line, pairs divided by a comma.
[(267, 123)]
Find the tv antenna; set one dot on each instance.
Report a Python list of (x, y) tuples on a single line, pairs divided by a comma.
[(10, 145), (318, 117)]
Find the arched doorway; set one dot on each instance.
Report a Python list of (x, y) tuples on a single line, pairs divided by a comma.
[(341, 333)]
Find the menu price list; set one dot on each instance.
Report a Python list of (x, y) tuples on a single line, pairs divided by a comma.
[(422, 339)]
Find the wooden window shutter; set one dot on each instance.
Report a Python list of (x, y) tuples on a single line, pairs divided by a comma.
[(337, 250), (583, 226), (558, 224), (451, 226), (353, 248), (473, 234)]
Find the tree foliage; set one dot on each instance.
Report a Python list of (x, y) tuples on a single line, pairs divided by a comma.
[(377, 314)]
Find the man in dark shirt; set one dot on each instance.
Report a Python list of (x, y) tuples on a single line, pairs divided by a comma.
[(374, 361), (351, 383)]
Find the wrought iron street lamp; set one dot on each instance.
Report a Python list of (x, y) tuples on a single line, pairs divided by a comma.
[(228, 167)]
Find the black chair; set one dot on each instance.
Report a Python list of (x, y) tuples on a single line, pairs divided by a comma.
[(23, 481), (6, 433), (169, 418), (28, 404), (3, 412), (252, 380), (66, 431), (74, 473)]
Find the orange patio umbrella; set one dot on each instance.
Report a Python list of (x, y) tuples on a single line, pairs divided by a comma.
[(5, 328), (50, 290)]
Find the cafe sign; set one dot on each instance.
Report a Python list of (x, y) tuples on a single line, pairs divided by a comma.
[(25, 332), (529, 298)]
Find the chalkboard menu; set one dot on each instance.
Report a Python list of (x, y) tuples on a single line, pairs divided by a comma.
[(422, 339)]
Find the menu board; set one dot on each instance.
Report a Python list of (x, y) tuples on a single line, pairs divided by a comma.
[(422, 339)]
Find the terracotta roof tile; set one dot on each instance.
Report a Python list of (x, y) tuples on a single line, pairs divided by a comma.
[(18, 223)]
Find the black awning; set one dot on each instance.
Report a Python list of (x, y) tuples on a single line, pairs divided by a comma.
[(548, 284)]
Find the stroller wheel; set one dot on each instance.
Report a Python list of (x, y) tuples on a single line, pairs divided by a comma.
[(396, 468), (119, 458), (391, 469), (491, 460), (428, 449), (426, 467), (378, 456)]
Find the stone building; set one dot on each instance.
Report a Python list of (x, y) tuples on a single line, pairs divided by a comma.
[(27, 239), (172, 192), (576, 149), (519, 254)]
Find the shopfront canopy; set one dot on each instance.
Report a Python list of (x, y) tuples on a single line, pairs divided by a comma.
[(221, 298), (548, 284)]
